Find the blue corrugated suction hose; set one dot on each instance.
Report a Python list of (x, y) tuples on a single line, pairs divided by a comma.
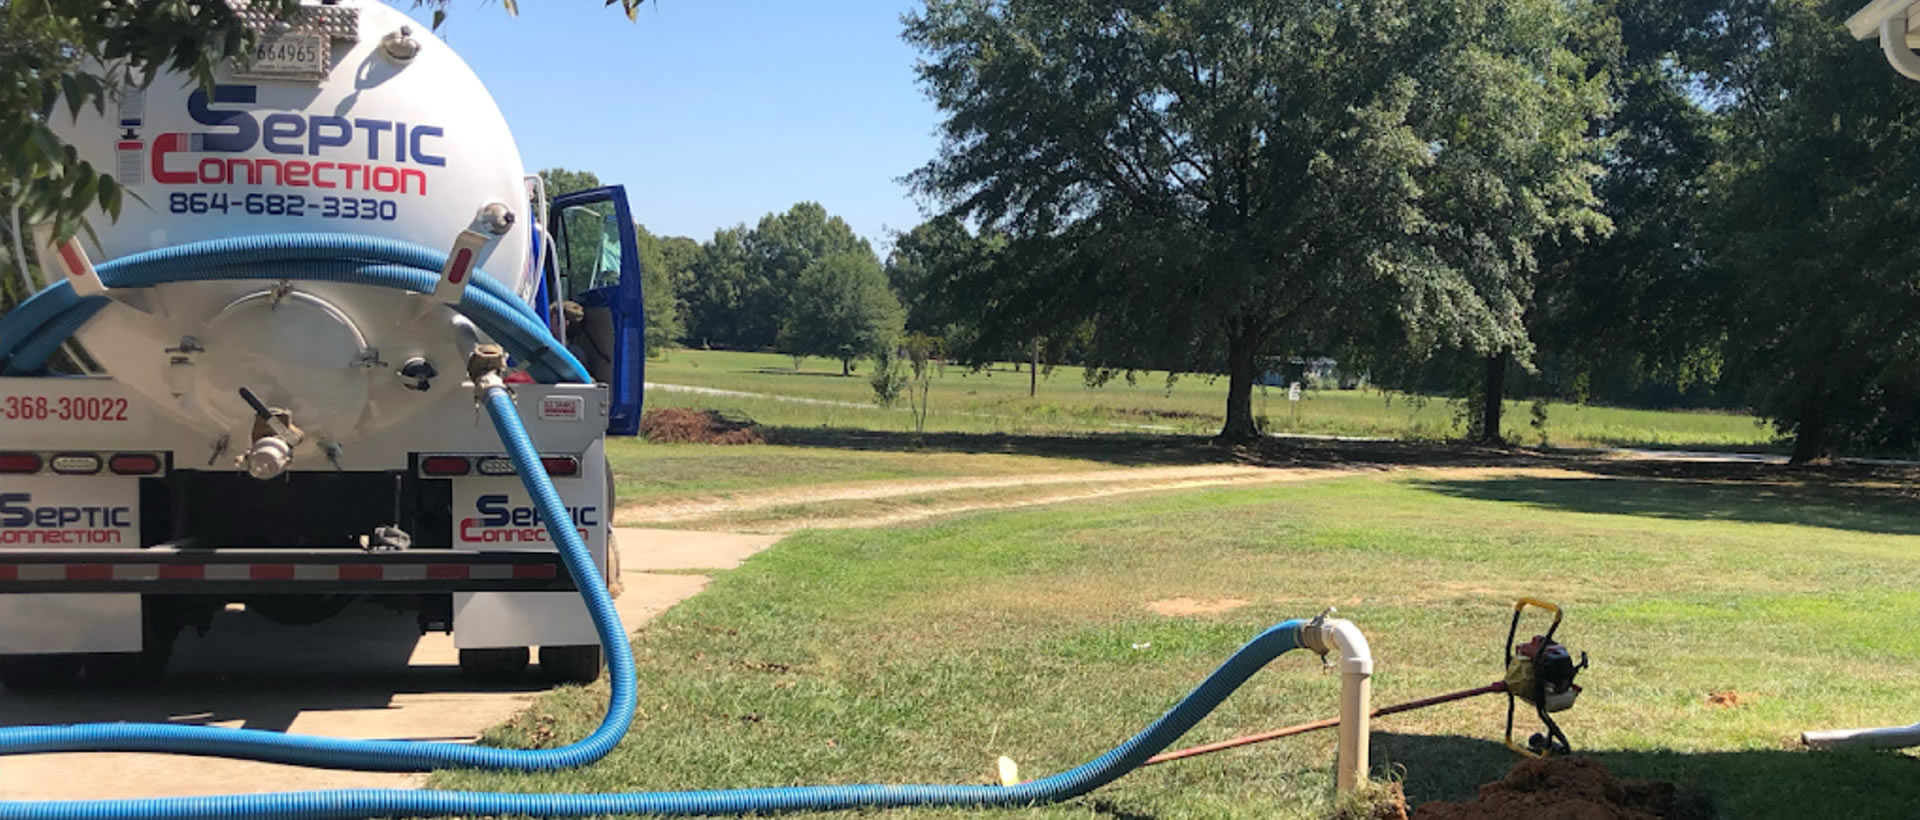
[(38, 326), (57, 321)]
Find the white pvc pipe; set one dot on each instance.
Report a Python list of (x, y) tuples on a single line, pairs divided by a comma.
[(1356, 690), (1893, 41), (1892, 737)]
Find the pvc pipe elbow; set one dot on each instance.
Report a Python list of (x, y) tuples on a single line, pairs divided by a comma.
[(1340, 636), (1356, 657), (1893, 41)]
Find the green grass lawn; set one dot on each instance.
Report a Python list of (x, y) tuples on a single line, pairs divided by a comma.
[(920, 653), (644, 471), (996, 401)]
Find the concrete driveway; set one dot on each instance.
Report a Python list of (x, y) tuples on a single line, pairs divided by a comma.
[(365, 674)]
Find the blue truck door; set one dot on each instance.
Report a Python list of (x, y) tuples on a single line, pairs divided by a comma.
[(598, 270)]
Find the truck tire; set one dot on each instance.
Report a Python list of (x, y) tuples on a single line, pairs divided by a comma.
[(571, 664), (615, 583), (494, 664), (27, 674)]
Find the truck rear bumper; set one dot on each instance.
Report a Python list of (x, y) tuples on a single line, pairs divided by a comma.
[(279, 571)]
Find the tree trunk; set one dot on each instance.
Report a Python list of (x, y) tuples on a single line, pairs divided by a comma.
[(846, 367), (1809, 436), (1033, 376), (1242, 356), (1493, 398)]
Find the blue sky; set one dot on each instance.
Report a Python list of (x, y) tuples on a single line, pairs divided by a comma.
[(712, 112)]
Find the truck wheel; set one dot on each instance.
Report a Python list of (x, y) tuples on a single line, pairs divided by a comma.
[(492, 664), (571, 664), (27, 674), (615, 583)]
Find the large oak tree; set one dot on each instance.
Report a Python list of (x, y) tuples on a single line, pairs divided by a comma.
[(1205, 181)]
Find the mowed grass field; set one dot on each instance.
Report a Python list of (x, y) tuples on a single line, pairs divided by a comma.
[(995, 401), (920, 653)]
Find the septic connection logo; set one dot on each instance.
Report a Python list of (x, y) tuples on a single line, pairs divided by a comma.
[(391, 148)]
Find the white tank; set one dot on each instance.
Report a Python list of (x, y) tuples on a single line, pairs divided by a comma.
[(355, 119)]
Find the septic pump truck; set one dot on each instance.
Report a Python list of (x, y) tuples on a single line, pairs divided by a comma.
[(312, 253)]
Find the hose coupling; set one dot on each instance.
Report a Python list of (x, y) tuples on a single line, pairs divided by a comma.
[(1313, 636), (486, 366), (268, 458)]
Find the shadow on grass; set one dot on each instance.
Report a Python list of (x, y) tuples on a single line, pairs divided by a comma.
[(1141, 449), (253, 673), (1875, 509), (1765, 783), (781, 371)]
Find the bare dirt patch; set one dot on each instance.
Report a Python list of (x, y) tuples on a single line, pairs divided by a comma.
[(688, 509), (1729, 699), (1574, 788), (680, 426), (1183, 607), (783, 510)]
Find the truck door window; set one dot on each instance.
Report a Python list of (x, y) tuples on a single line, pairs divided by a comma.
[(590, 247)]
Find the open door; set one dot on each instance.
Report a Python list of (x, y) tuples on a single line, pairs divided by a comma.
[(603, 314)]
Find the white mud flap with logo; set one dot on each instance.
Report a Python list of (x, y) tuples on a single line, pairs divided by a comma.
[(496, 514), (77, 513)]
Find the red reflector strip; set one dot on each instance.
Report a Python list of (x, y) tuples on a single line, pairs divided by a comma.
[(19, 463), (89, 572), (75, 263), (55, 573), (271, 572), (183, 572), (462, 262), (561, 465)]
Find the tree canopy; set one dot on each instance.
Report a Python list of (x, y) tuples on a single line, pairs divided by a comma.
[(1815, 229), (1199, 180), (747, 280), (842, 309)]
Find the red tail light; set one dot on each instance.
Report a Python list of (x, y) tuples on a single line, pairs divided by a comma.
[(561, 465), (445, 465), (19, 463), (134, 464)]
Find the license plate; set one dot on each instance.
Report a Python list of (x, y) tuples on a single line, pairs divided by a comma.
[(294, 54)]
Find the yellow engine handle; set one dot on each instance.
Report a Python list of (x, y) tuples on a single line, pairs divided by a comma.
[(1523, 603)]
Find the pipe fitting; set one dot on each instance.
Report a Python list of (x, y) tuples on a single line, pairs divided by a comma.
[(1891, 737), (268, 458), (1340, 636), (1893, 43), (400, 46)]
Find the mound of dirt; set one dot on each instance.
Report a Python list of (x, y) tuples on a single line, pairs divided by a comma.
[(678, 425), (1561, 788), (1729, 699)]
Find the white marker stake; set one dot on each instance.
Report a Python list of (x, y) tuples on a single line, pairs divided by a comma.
[(69, 260), (462, 260)]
